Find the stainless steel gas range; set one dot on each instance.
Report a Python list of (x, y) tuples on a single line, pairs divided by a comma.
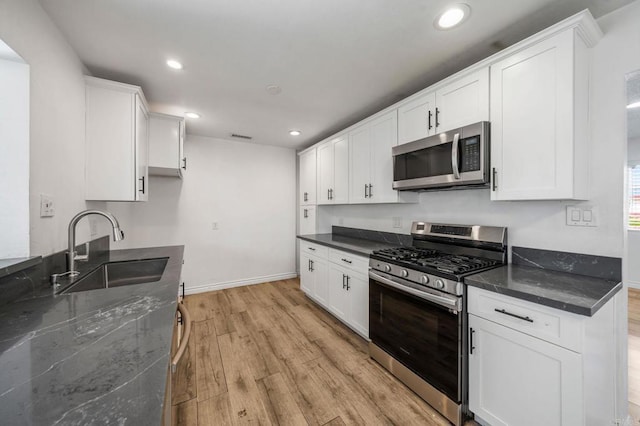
[(417, 308)]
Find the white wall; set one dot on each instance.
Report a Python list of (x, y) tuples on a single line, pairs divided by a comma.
[(56, 120), (248, 189), (14, 155)]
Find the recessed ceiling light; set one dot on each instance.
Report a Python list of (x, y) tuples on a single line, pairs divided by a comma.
[(634, 105), (171, 63), (274, 89), (192, 114), (294, 132), (453, 16)]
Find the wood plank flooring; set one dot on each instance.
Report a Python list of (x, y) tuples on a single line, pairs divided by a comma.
[(634, 355), (265, 354)]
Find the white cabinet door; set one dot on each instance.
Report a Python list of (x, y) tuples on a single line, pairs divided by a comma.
[(340, 193), (306, 276), (338, 295), (416, 119), (307, 220), (516, 379), (358, 289), (166, 145), (532, 122), (383, 137), (307, 180), (116, 137), (142, 150), (359, 164), (320, 271), (463, 102), (325, 173)]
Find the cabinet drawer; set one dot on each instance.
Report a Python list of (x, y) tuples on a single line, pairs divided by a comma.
[(314, 249), (552, 325), (348, 260)]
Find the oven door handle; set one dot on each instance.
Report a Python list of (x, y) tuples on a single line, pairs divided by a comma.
[(454, 156), (438, 300)]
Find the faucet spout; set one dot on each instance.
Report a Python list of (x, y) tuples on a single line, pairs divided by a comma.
[(71, 254)]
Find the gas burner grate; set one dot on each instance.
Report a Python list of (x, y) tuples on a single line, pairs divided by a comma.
[(407, 254)]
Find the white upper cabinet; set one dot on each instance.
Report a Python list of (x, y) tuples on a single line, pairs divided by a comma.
[(463, 101), (539, 116), (166, 145), (117, 142), (371, 162), (307, 178), (333, 171), (416, 119)]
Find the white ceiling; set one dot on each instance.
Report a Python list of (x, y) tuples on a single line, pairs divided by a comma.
[(337, 61)]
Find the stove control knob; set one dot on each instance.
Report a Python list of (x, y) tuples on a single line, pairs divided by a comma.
[(439, 283), (387, 268), (424, 279), (404, 273)]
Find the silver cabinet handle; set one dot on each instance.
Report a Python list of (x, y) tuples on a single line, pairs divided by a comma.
[(184, 163), (437, 117), (347, 261), (312, 249), (370, 190), (454, 156), (429, 120), (494, 185), (305, 197), (311, 266), (366, 190), (186, 321), (305, 215), (344, 284), (348, 286)]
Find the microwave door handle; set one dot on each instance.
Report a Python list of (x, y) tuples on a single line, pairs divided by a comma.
[(454, 156)]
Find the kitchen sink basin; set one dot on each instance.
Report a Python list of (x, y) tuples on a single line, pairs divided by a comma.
[(118, 274)]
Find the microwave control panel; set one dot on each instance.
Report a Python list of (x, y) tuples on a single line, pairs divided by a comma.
[(470, 150)]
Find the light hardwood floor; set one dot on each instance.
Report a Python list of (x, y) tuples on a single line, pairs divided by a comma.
[(266, 354), (634, 354)]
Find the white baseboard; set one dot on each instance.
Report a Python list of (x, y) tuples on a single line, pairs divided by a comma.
[(238, 283), (633, 284)]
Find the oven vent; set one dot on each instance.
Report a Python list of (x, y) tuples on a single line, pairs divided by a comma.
[(235, 135)]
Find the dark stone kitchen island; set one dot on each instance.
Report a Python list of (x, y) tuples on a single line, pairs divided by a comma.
[(92, 357)]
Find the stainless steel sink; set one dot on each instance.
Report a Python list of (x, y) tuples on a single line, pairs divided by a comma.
[(117, 274)]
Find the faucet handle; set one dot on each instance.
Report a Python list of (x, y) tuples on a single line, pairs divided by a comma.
[(53, 279)]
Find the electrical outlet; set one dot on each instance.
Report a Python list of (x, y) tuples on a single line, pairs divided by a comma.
[(397, 222), (340, 221), (47, 208), (214, 226)]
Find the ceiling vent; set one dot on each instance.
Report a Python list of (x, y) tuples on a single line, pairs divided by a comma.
[(245, 137)]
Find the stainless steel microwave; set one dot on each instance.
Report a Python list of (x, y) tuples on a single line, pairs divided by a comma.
[(459, 157)]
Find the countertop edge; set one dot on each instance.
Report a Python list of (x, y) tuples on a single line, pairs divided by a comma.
[(20, 265), (310, 239)]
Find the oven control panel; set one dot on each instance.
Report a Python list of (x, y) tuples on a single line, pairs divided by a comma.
[(417, 277)]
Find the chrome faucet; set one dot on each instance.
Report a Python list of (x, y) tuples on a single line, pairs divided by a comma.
[(72, 256)]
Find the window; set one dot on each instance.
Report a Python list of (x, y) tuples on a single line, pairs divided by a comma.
[(634, 198)]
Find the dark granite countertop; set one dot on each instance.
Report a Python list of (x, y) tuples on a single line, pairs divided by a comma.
[(574, 293), (360, 246), (11, 266), (93, 357)]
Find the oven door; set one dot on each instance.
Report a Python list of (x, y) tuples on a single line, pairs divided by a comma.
[(457, 157), (424, 335)]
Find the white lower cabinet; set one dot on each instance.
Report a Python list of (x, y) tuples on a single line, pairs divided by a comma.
[(534, 365), (313, 276), (339, 282), (521, 380)]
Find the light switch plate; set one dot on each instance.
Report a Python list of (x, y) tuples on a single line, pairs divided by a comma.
[(397, 222), (582, 216), (47, 208)]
